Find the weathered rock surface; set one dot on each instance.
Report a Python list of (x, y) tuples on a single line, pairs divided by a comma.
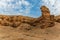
[(15, 21), (57, 18), (46, 20), (27, 28)]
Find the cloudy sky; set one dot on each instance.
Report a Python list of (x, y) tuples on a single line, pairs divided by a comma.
[(28, 7)]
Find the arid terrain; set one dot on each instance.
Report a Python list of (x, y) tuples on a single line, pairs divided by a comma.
[(46, 27), (9, 33)]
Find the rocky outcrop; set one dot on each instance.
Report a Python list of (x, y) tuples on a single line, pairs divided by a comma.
[(57, 18), (46, 20), (14, 21)]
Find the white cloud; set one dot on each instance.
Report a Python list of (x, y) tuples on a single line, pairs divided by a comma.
[(25, 2), (8, 7), (53, 5)]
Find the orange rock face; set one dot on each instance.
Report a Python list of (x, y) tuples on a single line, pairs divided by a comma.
[(45, 12), (15, 21), (46, 20)]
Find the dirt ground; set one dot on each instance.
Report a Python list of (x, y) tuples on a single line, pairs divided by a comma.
[(9, 33)]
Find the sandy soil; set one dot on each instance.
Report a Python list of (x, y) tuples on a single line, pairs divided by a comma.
[(9, 33)]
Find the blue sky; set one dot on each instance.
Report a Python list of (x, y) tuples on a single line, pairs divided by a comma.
[(29, 8)]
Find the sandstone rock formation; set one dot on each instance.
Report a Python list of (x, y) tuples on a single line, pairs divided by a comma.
[(57, 18), (14, 21), (46, 20)]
